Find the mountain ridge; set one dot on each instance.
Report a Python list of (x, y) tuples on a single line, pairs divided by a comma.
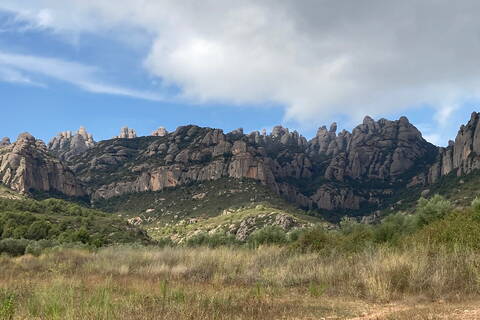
[(345, 171)]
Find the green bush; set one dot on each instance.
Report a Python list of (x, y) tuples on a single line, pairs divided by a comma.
[(38, 247), (429, 210), (14, 247), (38, 230), (212, 240), (7, 305), (268, 235), (316, 239), (393, 228), (460, 229)]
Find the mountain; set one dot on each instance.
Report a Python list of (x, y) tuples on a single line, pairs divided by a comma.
[(346, 171), (27, 165), (66, 145), (353, 173)]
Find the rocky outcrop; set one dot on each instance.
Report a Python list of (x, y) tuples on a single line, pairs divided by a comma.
[(4, 142), (67, 145), (344, 171), (126, 133), (26, 165), (383, 150), (327, 142), (461, 156), (160, 132)]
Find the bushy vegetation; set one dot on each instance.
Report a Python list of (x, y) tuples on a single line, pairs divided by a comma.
[(178, 203), (432, 253), (25, 223), (435, 222)]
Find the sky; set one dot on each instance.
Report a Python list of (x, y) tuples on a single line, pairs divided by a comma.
[(227, 64)]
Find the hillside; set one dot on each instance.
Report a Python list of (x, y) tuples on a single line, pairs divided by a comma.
[(52, 222)]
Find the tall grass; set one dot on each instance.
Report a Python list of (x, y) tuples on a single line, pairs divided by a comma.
[(223, 283)]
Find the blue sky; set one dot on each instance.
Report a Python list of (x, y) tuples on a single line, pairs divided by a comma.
[(104, 64)]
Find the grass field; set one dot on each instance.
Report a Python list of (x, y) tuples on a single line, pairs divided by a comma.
[(225, 283)]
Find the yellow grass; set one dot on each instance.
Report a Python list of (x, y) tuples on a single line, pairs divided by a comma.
[(268, 283)]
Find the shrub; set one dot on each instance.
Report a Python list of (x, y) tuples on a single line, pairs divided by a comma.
[(315, 239), (432, 209), (7, 305), (460, 229), (14, 247), (393, 228), (212, 240), (268, 235), (38, 247), (38, 230)]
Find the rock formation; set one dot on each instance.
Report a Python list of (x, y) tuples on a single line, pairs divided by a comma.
[(461, 156), (160, 132), (4, 142), (358, 170), (126, 133), (67, 145), (26, 165), (379, 155), (381, 150)]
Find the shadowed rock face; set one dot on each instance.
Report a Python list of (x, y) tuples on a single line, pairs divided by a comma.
[(66, 145), (378, 150), (27, 165), (462, 155), (312, 173)]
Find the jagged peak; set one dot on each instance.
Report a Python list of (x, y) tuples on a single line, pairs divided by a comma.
[(404, 120), (160, 132), (127, 133), (279, 130), (5, 141), (368, 120), (25, 136), (68, 134), (238, 131)]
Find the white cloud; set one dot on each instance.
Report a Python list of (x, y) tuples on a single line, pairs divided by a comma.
[(317, 58), (17, 68), (14, 76)]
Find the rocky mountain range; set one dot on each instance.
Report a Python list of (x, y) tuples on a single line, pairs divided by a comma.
[(358, 171)]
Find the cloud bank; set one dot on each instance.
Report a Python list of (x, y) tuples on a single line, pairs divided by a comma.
[(317, 58), (22, 69)]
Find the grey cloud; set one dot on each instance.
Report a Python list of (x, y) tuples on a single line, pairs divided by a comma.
[(316, 58)]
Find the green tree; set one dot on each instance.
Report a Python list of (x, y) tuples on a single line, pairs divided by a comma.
[(38, 230), (429, 210)]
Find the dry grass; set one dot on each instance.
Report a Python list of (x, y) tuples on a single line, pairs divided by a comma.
[(201, 283)]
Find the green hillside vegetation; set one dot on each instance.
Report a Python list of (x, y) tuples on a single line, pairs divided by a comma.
[(397, 269), (29, 223), (206, 199), (215, 231), (435, 222)]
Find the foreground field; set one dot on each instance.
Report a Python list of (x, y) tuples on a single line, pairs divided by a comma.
[(223, 283)]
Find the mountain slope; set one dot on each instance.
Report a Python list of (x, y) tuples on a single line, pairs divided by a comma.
[(348, 172), (353, 173), (27, 165)]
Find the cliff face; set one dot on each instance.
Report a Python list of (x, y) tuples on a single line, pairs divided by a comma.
[(362, 169), (462, 156), (66, 145), (326, 172), (27, 165)]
